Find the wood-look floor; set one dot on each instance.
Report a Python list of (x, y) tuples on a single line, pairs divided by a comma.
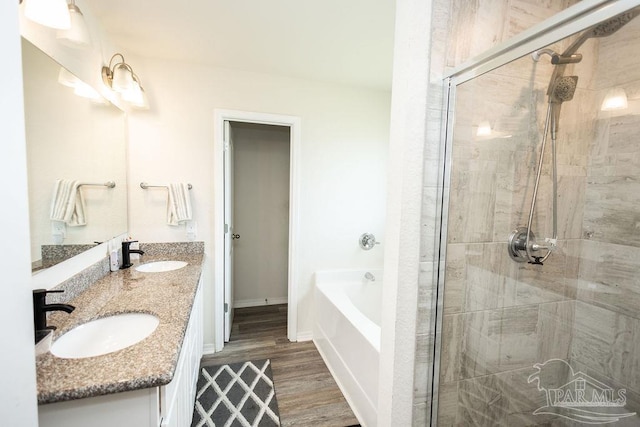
[(306, 392)]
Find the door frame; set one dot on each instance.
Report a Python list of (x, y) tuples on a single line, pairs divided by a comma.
[(293, 122)]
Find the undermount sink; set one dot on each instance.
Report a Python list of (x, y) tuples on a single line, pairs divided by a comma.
[(104, 335), (160, 266)]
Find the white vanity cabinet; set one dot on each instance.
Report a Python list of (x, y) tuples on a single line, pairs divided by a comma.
[(167, 406), (177, 397)]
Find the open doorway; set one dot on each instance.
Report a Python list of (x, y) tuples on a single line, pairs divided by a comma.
[(255, 215), (260, 213)]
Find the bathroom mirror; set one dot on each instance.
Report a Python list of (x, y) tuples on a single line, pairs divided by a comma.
[(70, 137)]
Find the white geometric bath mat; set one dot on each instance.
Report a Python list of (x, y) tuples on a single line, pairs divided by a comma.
[(238, 394)]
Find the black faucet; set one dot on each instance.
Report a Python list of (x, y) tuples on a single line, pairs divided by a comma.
[(40, 308), (126, 251)]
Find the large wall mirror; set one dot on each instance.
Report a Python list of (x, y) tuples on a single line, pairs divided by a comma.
[(71, 140)]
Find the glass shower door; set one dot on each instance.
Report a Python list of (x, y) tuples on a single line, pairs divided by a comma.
[(545, 329)]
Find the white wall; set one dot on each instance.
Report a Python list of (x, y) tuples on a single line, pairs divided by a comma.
[(18, 405), (343, 161), (261, 213), (406, 173)]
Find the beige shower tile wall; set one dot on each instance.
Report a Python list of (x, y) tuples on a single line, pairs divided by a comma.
[(460, 30), (613, 190), (608, 343), (508, 316), (632, 398), (609, 277), (480, 276), (487, 363), (606, 337), (493, 341)]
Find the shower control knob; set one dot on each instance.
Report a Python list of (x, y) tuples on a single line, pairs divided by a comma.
[(235, 236), (367, 241)]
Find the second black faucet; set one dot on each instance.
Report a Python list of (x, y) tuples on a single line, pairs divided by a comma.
[(127, 251)]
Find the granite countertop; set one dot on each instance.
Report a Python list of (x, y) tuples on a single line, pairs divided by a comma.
[(149, 363)]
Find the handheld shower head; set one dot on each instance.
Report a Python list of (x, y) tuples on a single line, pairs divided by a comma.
[(563, 89)]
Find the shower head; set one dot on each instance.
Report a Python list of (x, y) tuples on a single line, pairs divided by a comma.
[(560, 90), (563, 89), (603, 29), (609, 27)]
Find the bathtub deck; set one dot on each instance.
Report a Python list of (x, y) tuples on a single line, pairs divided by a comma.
[(306, 392)]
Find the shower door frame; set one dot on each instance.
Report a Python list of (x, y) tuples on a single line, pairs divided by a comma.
[(572, 20)]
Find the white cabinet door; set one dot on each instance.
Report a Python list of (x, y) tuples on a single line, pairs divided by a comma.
[(178, 396), (137, 408)]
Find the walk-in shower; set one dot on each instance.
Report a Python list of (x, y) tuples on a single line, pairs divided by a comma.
[(511, 337), (523, 245)]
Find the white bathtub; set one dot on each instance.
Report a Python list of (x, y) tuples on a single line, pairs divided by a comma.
[(347, 334)]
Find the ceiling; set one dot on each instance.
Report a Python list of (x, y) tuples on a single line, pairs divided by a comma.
[(341, 41)]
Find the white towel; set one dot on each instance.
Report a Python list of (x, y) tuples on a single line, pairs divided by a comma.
[(67, 204), (178, 204)]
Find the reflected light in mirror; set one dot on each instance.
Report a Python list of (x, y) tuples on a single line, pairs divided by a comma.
[(616, 99), (77, 35), (50, 13), (484, 129), (80, 88), (84, 90), (66, 78)]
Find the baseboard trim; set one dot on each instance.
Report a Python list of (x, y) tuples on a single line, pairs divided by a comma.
[(208, 349), (243, 303), (304, 336)]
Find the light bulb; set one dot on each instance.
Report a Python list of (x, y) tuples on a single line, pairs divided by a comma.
[(122, 78)]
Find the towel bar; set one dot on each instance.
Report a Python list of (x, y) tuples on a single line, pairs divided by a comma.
[(109, 184), (145, 185)]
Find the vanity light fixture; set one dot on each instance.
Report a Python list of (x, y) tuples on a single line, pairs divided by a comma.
[(120, 77), (136, 96), (616, 99), (77, 35), (50, 13)]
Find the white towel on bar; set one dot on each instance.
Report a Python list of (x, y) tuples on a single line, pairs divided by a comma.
[(67, 204), (178, 204)]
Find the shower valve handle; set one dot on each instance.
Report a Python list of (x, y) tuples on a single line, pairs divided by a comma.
[(552, 245)]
